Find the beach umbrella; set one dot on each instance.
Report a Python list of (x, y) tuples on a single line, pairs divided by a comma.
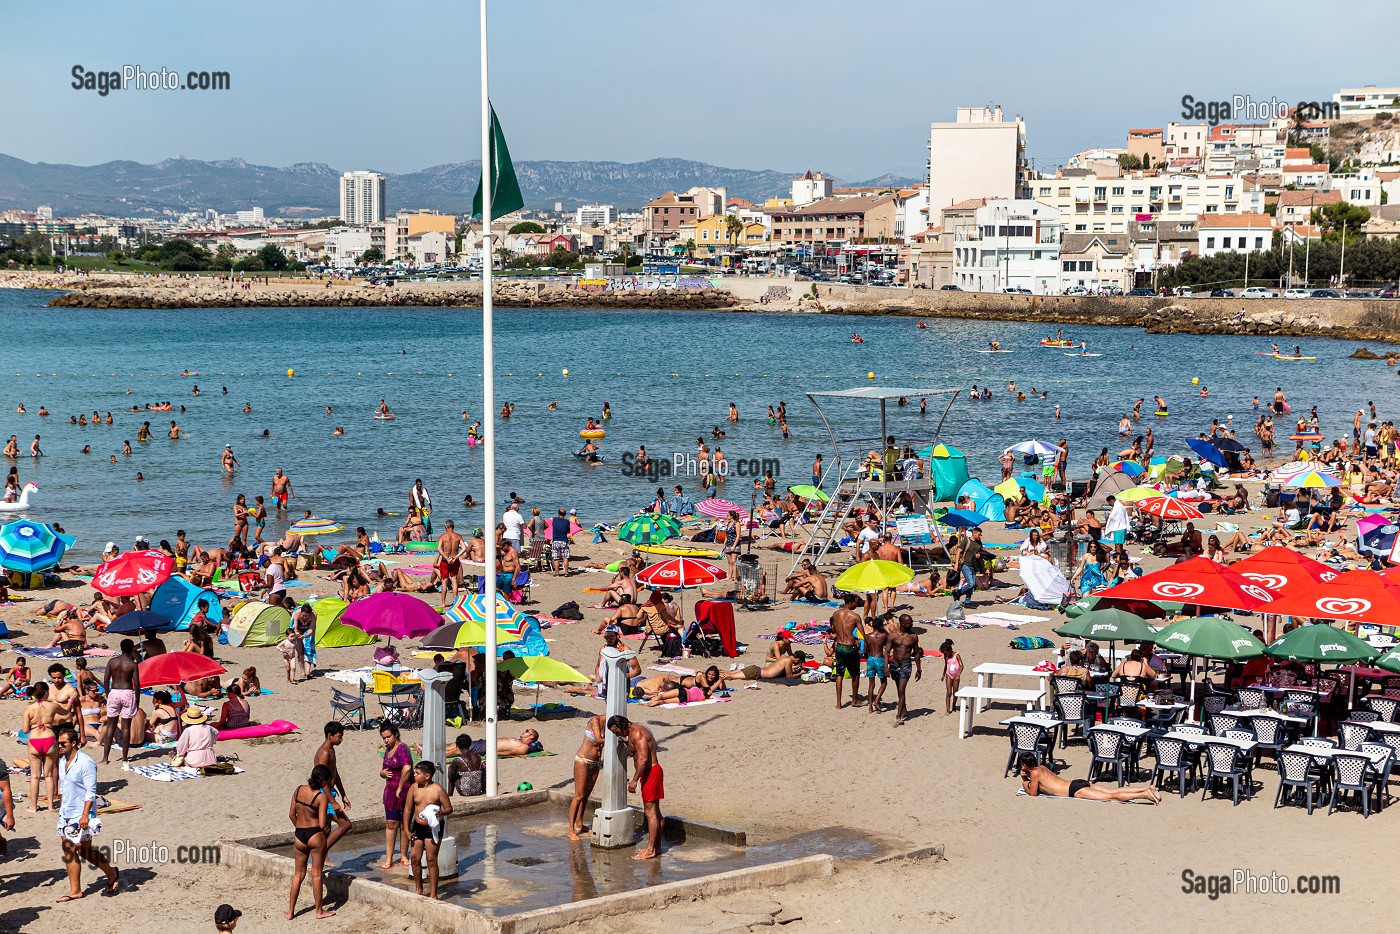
[(1321, 643), (649, 528), (137, 620), (177, 668), (1144, 608), (1376, 534), (1279, 568), (29, 547), (396, 615), (1355, 596), (313, 526), (1197, 581), (132, 573), (1131, 468), (472, 607), (1165, 507), (465, 633), (1009, 488), (1307, 436), (719, 509), (807, 491), (1312, 479), (1206, 450), (1134, 493), (1109, 625), (1390, 661), (1291, 469), (873, 576), (962, 519), (1035, 448), (541, 668), (680, 573), (1210, 637), (1229, 445)]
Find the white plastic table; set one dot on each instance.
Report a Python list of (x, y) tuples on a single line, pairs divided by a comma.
[(1022, 696), (988, 671)]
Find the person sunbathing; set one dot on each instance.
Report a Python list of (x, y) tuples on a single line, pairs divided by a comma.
[(673, 692), (627, 620), (527, 743), (404, 582), (1038, 780), (789, 666)]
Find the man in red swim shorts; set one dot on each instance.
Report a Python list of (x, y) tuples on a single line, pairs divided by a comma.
[(642, 745), (449, 561)]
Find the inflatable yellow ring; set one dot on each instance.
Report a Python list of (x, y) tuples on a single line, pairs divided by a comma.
[(594, 433)]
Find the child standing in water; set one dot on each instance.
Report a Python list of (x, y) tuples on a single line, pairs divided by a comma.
[(952, 671)]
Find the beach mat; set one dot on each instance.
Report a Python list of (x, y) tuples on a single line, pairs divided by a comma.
[(702, 703), (56, 653), (116, 807)]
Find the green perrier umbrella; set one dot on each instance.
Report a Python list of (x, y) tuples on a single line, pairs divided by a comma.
[(1108, 625), (1210, 637), (1390, 661), (1320, 642), (649, 528)]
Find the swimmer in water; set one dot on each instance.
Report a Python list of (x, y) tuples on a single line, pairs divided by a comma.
[(469, 502), (607, 411), (247, 407), (328, 411), (338, 432), (552, 406)]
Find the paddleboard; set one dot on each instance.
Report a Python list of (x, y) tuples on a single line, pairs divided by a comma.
[(1161, 414), (384, 418), (1282, 357), (1083, 355), (678, 551), (993, 351)]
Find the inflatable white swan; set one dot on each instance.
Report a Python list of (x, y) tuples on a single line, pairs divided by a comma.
[(21, 504)]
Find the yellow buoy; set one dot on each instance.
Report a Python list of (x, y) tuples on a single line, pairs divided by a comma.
[(291, 372), (1195, 381), (566, 371), (870, 375)]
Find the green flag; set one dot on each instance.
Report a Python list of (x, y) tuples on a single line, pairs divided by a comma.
[(505, 188)]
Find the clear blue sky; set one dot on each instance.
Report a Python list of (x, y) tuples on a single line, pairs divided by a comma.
[(848, 88)]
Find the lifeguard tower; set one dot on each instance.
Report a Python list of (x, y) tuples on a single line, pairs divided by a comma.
[(852, 484)]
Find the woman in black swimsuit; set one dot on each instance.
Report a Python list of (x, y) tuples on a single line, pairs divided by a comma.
[(308, 816)]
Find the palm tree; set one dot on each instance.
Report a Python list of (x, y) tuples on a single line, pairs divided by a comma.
[(733, 227)]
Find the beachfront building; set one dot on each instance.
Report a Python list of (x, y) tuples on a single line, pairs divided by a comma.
[(1095, 261), (1370, 101), (663, 217), (1145, 144), (1360, 187), (430, 248), (910, 212), (835, 222), (362, 198), (1012, 243), (410, 224), (1089, 204), (344, 245), (1234, 233), (595, 215), (1296, 207), (707, 200), (979, 155), (713, 235), (1160, 242), (1184, 144)]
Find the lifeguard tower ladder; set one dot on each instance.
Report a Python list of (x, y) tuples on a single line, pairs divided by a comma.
[(849, 487)]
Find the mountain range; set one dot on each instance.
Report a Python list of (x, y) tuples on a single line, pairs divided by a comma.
[(133, 189)]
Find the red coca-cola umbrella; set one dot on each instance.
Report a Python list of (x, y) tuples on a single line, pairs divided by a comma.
[(178, 668), (133, 572), (1198, 581)]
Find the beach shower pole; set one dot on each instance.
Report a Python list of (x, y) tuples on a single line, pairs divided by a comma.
[(488, 422)]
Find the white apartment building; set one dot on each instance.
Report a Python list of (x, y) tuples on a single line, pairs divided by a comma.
[(430, 247), (979, 155), (1011, 243), (810, 186), (1088, 204), (253, 217), (1234, 233), (362, 198), (1367, 101), (345, 244), (709, 200), (1185, 143), (595, 215), (1361, 187), (910, 212)]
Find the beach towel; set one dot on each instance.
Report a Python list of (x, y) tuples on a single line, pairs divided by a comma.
[(702, 703), (56, 653), (165, 772), (997, 617), (550, 621), (541, 709), (674, 669), (114, 806), (1031, 642)]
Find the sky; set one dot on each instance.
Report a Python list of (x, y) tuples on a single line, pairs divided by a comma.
[(845, 88)]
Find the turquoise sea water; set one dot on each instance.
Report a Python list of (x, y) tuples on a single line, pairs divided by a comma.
[(426, 363)]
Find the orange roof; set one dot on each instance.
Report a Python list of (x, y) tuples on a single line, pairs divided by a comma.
[(1302, 198), (1145, 130), (1235, 220), (967, 205), (1297, 153), (1312, 167)]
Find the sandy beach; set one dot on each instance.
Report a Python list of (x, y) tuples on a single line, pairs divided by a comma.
[(773, 762)]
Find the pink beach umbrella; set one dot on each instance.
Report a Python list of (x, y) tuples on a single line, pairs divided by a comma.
[(396, 615), (720, 509)]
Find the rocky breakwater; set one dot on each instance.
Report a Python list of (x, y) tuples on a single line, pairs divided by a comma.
[(1356, 319), (203, 292)]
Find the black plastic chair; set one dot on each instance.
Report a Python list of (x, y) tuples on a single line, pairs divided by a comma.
[(1224, 762), (1296, 775), (1172, 760), (1380, 773), (1268, 733), (1108, 752), (1385, 706), (1250, 698), (349, 709), (1074, 709), (1353, 734), (1351, 774), (1029, 738)]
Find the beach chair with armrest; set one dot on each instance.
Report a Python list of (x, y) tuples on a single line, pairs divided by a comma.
[(1380, 772), (1029, 738), (1108, 753), (403, 706), (1297, 774), (1351, 774), (1224, 762), (1075, 710), (349, 709), (1385, 706), (536, 557), (1172, 760)]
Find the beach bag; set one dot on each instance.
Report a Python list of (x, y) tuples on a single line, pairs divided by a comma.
[(956, 613), (218, 768), (1031, 642), (568, 610)]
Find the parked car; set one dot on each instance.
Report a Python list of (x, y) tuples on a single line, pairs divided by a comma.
[(1076, 290), (1185, 291), (1361, 294), (1016, 290), (1326, 293), (1297, 293), (1257, 291), (1221, 293), (1141, 293), (950, 288), (1387, 292)]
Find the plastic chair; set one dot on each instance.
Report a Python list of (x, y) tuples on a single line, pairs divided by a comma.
[(1296, 774), (1250, 698), (1353, 734), (1380, 773), (1268, 733), (1351, 774), (349, 709), (1107, 753), (1213, 704), (1224, 764), (1074, 710), (1029, 738), (1172, 760), (1384, 706), (1061, 684), (1223, 721)]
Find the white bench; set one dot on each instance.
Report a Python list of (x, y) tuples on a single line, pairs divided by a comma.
[(988, 671), (1023, 696)]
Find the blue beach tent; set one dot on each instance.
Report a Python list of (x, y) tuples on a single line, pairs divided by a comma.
[(985, 500), (178, 600)]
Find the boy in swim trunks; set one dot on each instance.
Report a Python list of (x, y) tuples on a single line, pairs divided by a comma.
[(424, 826), (905, 658), (875, 640), (846, 657)]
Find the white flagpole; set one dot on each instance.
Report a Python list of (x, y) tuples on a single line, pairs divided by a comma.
[(488, 421)]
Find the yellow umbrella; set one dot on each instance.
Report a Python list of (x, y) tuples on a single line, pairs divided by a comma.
[(1135, 493), (539, 668), (872, 576)]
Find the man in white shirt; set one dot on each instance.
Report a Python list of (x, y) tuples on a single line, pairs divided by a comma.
[(1115, 530), (869, 537), (514, 522), (420, 502), (77, 783)]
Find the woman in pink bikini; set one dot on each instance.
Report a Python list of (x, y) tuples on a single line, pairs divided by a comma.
[(37, 724), (952, 671)]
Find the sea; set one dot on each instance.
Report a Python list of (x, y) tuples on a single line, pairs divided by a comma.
[(668, 377)]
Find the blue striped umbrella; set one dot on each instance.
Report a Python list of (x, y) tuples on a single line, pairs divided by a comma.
[(31, 546)]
